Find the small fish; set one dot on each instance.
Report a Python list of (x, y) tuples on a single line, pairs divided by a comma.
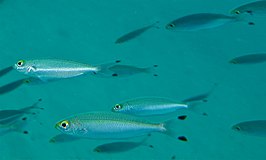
[(149, 106), (12, 86), (6, 70), (200, 97), (117, 70), (253, 8), (195, 22), (15, 120), (105, 125), (255, 128), (249, 59), (62, 138), (134, 34), (53, 69), (117, 147)]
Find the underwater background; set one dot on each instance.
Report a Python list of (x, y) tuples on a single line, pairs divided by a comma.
[(188, 63)]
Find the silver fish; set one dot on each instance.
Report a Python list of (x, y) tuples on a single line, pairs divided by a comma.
[(117, 147), (255, 128), (195, 22), (105, 125), (249, 59), (53, 69), (149, 106), (253, 8), (134, 34)]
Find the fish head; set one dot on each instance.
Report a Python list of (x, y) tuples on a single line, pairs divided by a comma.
[(170, 26), (64, 126), (24, 67), (97, 149)]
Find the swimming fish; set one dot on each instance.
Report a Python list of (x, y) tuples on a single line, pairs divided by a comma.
[(249, 59), (255, 128), (12, 86), (105, 125), (62, 138), (14, 120), (134, 34), (148, 106), (6, 70), (200, 97), (117, 70), (116, 147), (195, 22), (53, 69), (253, 8)]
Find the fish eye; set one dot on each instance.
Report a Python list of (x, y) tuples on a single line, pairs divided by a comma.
[(64, 124), (20, 63), (171, 25), (237, 128), (117, 107), (237, 12)]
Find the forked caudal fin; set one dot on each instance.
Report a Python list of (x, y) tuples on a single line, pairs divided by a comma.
[(168, 128), (151, 70)]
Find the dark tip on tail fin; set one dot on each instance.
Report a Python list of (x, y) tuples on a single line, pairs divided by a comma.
[(204, 114), (251, 23), (114, 74), (117, 61), (24, 119), (151, 146), (25, 132), (183, 117), (173, 157), (155, 75), (155, 65), (183, 138)]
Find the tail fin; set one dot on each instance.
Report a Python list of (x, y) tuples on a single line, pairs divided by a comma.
[(168, 128), (155, 25), (151, 70), (29, 109), (103, 69)]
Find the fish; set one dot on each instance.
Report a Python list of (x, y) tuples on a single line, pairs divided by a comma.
[(254, 127), (200, 21), (12, 86), (253, 8), (135, 33), (15, 120), (118, 70), (249, 59), (5, 70), (117, 147), (108, 125), (200, 97), (53, 69), (148, 106), (62, 138)]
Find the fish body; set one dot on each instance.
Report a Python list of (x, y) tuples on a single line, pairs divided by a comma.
[(200, 21), (249, 59), (62, 138), (134, 34), (104, 125), (253, 8), (117, 147), (256, 127), (53, 69), (148, 106)]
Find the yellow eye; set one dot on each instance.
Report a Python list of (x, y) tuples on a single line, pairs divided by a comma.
[(64, 124), (237, 12), (117, 107), (20, 63)]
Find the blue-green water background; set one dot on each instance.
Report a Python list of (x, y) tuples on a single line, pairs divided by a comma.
[(189, 63)]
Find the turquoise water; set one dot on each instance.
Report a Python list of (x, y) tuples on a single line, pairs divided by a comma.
[(189, 63)]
